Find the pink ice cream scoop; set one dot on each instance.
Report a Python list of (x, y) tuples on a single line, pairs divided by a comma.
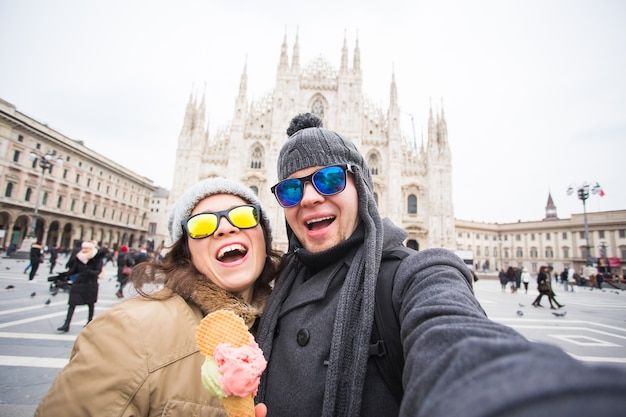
[(240, 368)]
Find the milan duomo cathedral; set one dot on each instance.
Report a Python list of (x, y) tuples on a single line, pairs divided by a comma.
[(413, 185)]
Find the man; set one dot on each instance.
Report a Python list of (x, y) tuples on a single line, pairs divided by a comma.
[(316, 328), (36, 257), (54, 253)]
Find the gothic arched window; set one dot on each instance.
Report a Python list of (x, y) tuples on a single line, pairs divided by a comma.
[(256, 159), (317, 108), (373, 164), (411, 204)]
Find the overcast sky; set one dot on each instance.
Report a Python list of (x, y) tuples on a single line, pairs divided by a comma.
[(534, 91)]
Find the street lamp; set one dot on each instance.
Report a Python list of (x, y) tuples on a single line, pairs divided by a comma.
[(583, 194), (45, 162)]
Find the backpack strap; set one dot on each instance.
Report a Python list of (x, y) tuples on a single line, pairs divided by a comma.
[(385, 344)]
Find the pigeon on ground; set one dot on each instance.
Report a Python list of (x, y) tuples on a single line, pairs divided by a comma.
[(520, 313), (47, 301), (33, 294), (9, 287), (560, 314), (6, 267), (520, 304)]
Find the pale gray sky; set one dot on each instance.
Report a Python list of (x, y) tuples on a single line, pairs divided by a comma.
[(534, 91)]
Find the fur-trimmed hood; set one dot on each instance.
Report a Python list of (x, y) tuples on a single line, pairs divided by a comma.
[(209, 298)]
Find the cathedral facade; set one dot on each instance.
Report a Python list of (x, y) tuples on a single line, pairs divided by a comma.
[(413, 185)]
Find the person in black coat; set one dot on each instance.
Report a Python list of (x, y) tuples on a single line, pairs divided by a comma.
[(86, 266), (54, 254), (36, 257), (544, 287), (124, 262)]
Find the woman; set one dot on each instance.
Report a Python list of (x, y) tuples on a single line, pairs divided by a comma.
[(86, 267), (545, 288), (140, 358)]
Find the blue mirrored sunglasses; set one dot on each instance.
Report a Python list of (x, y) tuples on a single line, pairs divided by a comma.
[(329, 180)]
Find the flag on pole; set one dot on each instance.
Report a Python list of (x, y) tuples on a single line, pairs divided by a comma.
[(597, 189)]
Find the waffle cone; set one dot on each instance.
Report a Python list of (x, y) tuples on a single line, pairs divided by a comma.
[(239, 406), (221, 326)]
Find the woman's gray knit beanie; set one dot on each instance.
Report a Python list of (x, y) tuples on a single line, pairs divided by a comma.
[(310, 145), (205, 188)]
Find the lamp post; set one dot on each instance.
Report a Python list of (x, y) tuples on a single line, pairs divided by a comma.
[(45, 162), (582, 191)]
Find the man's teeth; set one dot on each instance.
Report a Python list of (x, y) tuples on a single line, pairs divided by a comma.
[(231, 248), (312, 222)]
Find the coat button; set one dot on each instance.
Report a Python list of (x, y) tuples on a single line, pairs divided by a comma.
[(303, 337)]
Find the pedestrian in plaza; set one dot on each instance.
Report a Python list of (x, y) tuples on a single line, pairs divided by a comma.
[(503, 279), (125, 263), (54, 254), (320, 333), (525, 279), (511, 279), (518, 278), (36, 258), (544, 286), (571, 279), (600, 279), (86, 268), (141, 256), (140, 358)]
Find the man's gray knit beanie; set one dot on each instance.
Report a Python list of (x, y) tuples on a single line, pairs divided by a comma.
[(205, 188), (310, 145)]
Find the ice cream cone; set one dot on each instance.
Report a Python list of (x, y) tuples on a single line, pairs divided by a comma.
[(234, 361), (239, 406), (222, 326)]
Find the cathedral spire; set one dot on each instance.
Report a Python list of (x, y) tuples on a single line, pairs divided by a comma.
[(295, 60), (243, 82), (189, 115), (344, 55), (201, 112), (431, 125), (284, 60), (357, 56), (393, 94), (442, 127)]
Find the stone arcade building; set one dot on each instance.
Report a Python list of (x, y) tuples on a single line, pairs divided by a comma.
[(86, 197)]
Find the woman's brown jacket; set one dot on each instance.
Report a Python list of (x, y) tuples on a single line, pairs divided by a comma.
[(138, 358)]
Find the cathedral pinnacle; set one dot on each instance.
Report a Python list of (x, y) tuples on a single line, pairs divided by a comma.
[(344, 56), (284, 60), (295, 60)]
